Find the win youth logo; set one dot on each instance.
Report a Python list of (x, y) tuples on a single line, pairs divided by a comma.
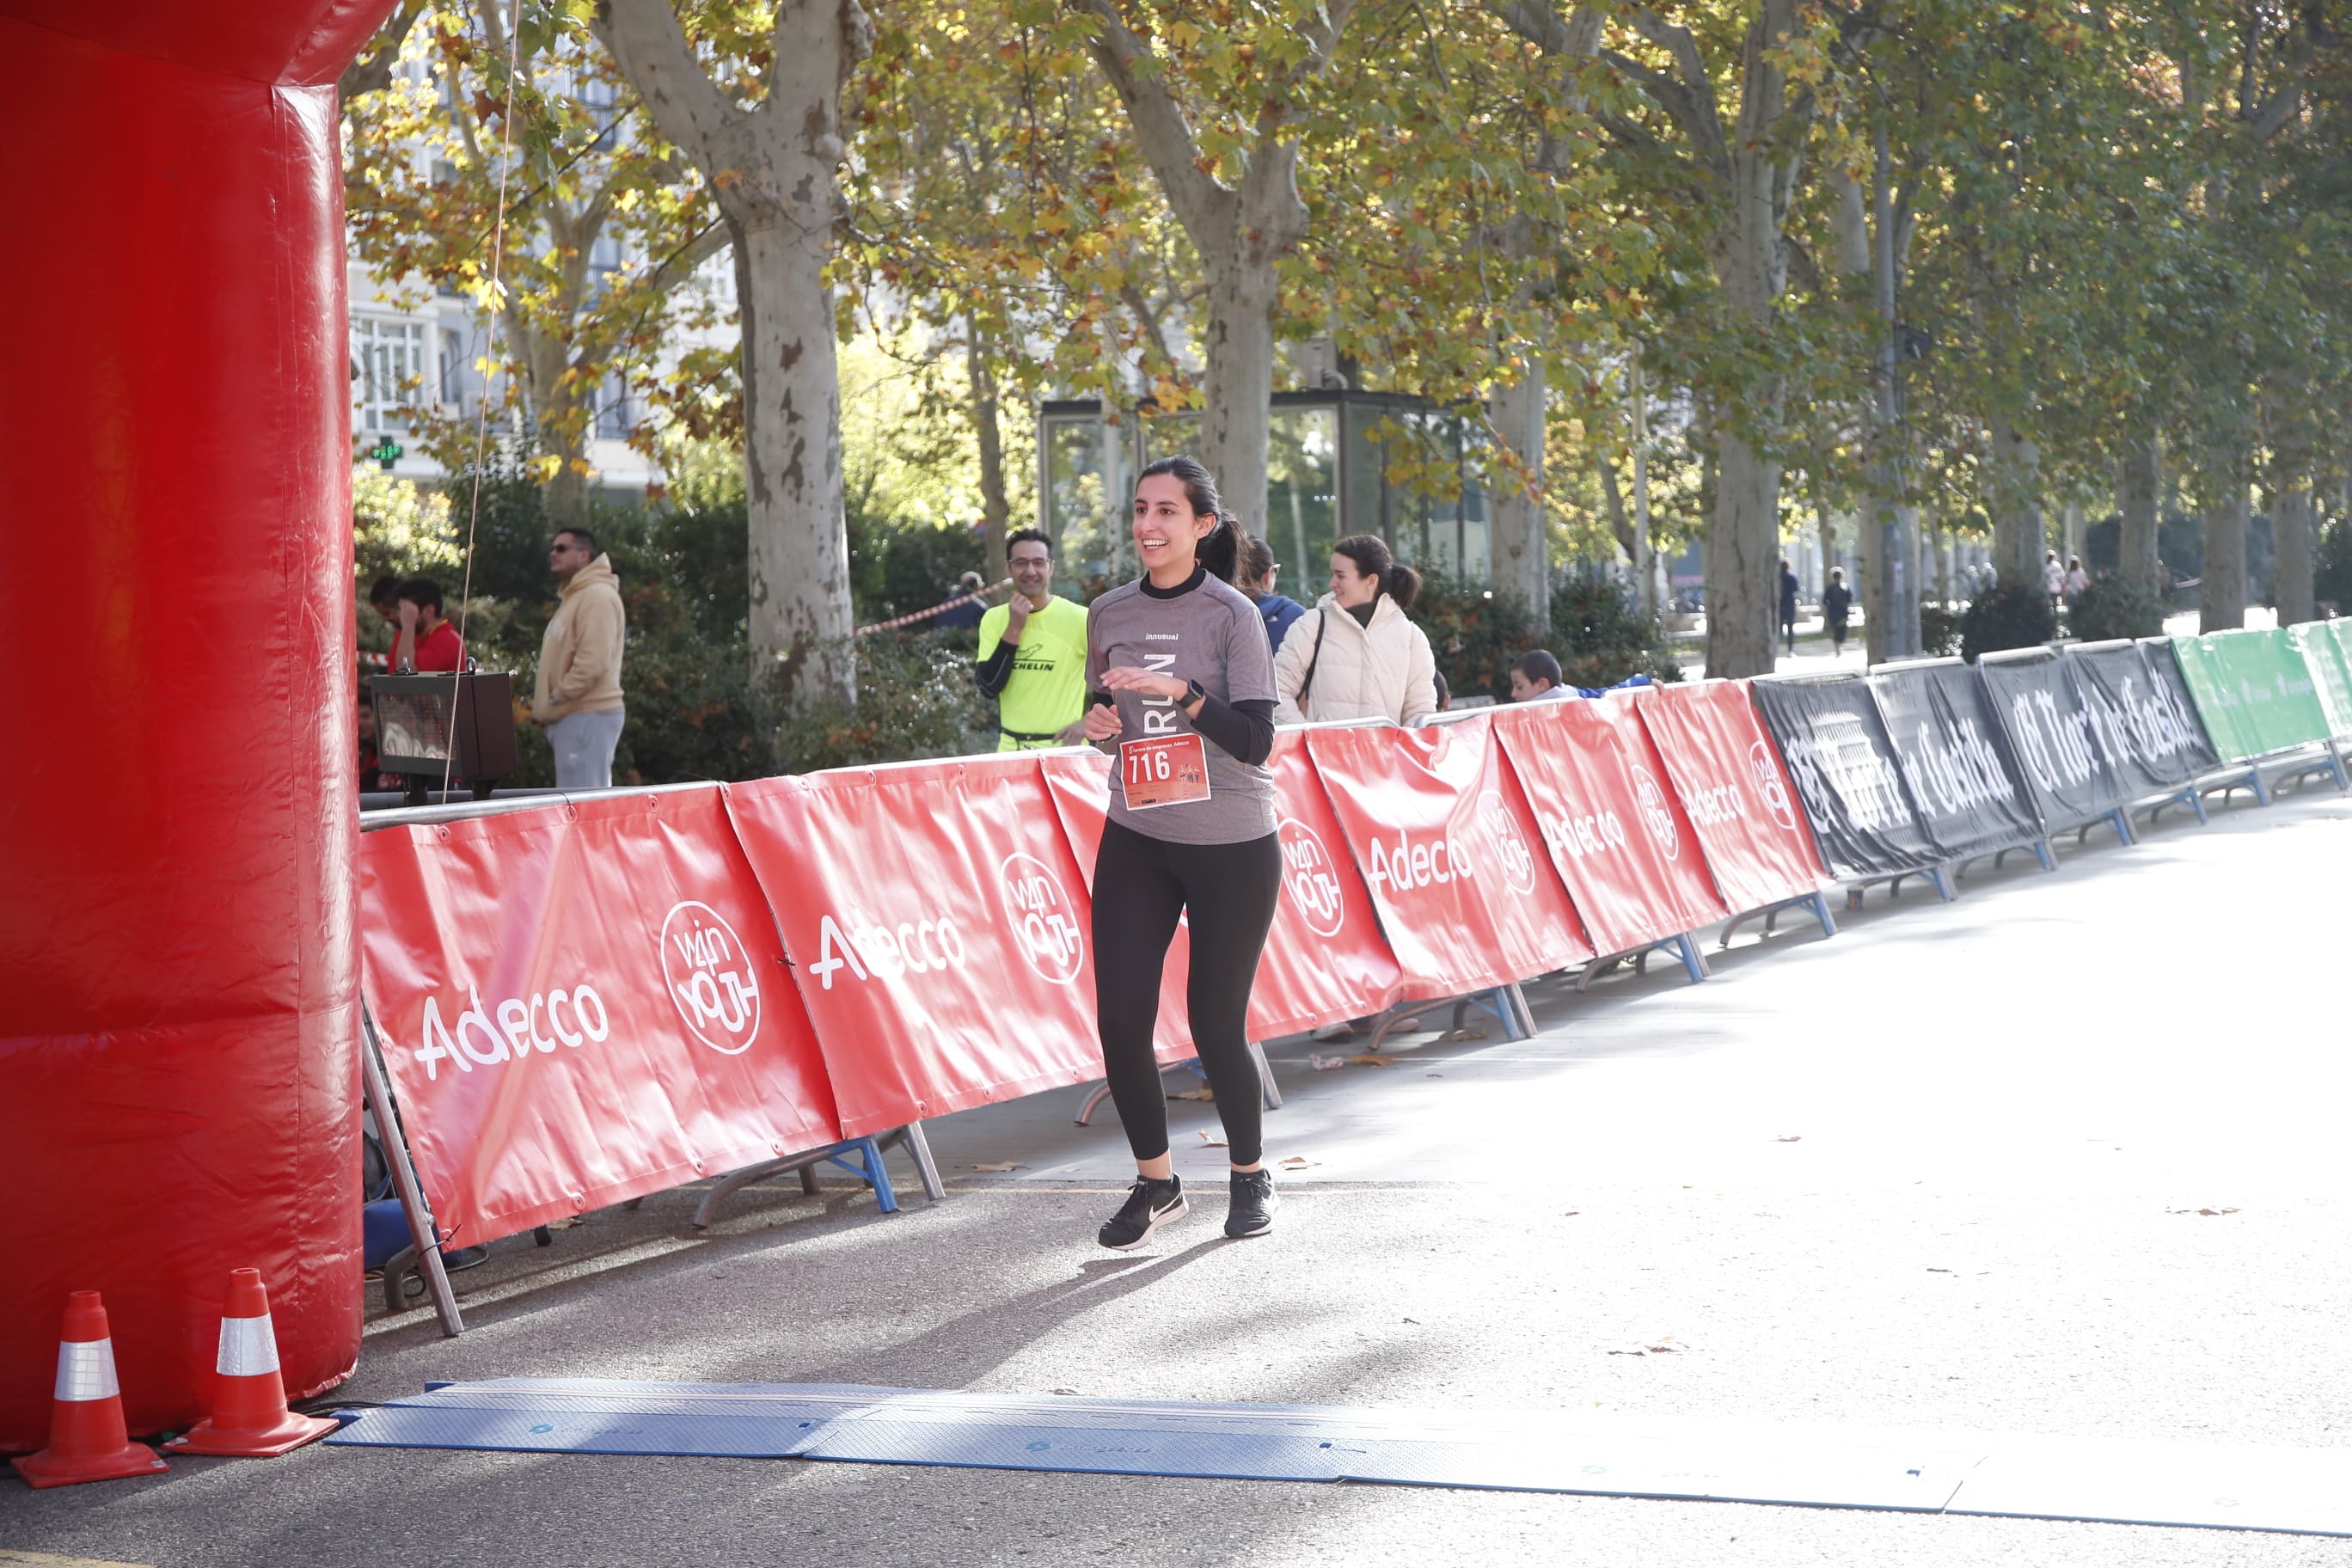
[(1510, 844), (1658, 816), (1769, 787), (1044, 922), (709, 978), (1311, 878)]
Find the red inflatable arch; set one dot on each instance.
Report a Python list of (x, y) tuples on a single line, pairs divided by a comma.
[(178, 1081)]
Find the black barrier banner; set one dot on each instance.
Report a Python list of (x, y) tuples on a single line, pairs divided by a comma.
[(1837, 748), (2141, 716), (2058, 749), (1956, 759)]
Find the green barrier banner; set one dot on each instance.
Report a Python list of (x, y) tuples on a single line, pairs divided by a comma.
[(2331, 674), (2253, 691)]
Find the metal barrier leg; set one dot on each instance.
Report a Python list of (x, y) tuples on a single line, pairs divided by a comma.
[(1596, 969), (867, 1166), (1265, 1076), (2262, 790), (1692, 961), (1943, 881), (734, 1182), (1524, 1014), (808, 1182), (2042, 853), (1094, 1100), (1821, 903), (2121, 817), (919, 1148), (377, 1087)]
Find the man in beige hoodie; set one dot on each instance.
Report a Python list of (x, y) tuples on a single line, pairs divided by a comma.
[(578, 693)]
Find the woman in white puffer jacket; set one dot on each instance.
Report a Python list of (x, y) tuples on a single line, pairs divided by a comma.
[(1358, 656)]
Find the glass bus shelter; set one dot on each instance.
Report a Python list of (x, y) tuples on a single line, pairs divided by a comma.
[(1329, 467)]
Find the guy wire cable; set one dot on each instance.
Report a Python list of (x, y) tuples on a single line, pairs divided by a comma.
[(482, 410)]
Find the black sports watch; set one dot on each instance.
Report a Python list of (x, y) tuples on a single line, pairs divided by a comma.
[(1194, 692)]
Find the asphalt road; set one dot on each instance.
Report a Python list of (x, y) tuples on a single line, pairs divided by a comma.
[(1950, 1168)]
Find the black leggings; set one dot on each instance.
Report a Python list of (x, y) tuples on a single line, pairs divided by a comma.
[(1228, 891)]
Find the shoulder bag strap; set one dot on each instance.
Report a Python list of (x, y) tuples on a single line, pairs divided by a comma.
[(1308, 685)]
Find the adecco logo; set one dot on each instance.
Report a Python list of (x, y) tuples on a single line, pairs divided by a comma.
[(1657, 815), (1310, 877), (1510, 843), (1769, 787), (517, 1032), (709, 978), (1044, 922)]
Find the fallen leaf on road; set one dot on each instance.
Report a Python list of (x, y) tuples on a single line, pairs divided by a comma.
[(1213, 1143), (1571, 1213), (1458, 1036), (1939, 1271), (1068, 1391), (1299, 1162), (1414, 1321), (1663, 1350), (1624, 1352), (1793, 1138), (2201, 1211), (1371, 1061), (1194, 1094), (997, 1165), (1324, 1064)]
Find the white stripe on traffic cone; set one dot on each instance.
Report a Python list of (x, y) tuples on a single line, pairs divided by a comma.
[(85, 1369), (248, 1346)]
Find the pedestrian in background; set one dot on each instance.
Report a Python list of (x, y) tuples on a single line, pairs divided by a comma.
[(1361, 658), (1536, 678), (577, 694), (964, 616), (1837, 602), (426, 642), (1256, 577), (2053, 578), (1033, 652), (1788, 605), (1179, 674), (2077, 578)]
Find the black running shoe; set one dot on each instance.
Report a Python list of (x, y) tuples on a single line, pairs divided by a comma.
[(1149, 1204), (1251, 1209)]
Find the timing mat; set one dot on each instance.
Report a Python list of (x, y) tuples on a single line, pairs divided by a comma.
[(1603, 1452)]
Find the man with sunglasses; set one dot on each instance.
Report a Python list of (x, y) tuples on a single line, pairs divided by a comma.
[(578, 692)]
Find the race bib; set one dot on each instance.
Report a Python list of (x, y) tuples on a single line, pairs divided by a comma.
[(1170, 772)]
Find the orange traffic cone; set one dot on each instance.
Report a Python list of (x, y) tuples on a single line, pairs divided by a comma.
[(249, 1418), (87, 1441)]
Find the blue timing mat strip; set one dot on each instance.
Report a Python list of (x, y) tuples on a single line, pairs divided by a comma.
[(2300, 1490)]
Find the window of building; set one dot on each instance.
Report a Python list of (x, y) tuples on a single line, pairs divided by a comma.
[(390, 354)]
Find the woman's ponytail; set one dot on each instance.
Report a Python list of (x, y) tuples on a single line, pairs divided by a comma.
[(1402, 583), (1221, 551)]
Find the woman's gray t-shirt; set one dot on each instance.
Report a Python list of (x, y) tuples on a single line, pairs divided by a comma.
[(1209, 633)]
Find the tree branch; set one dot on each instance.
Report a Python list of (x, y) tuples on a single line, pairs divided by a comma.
[(645, 41), (372, 72), (1202, 203), (1700, 117)]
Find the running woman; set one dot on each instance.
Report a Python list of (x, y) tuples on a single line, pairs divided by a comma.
[(1180, 676)]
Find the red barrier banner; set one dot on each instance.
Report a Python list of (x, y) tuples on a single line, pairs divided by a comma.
[(1735, 793), (1324, 960), (1079, 782), (582, 1005), (937, 926), (1618, 837), (1442, 832)]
